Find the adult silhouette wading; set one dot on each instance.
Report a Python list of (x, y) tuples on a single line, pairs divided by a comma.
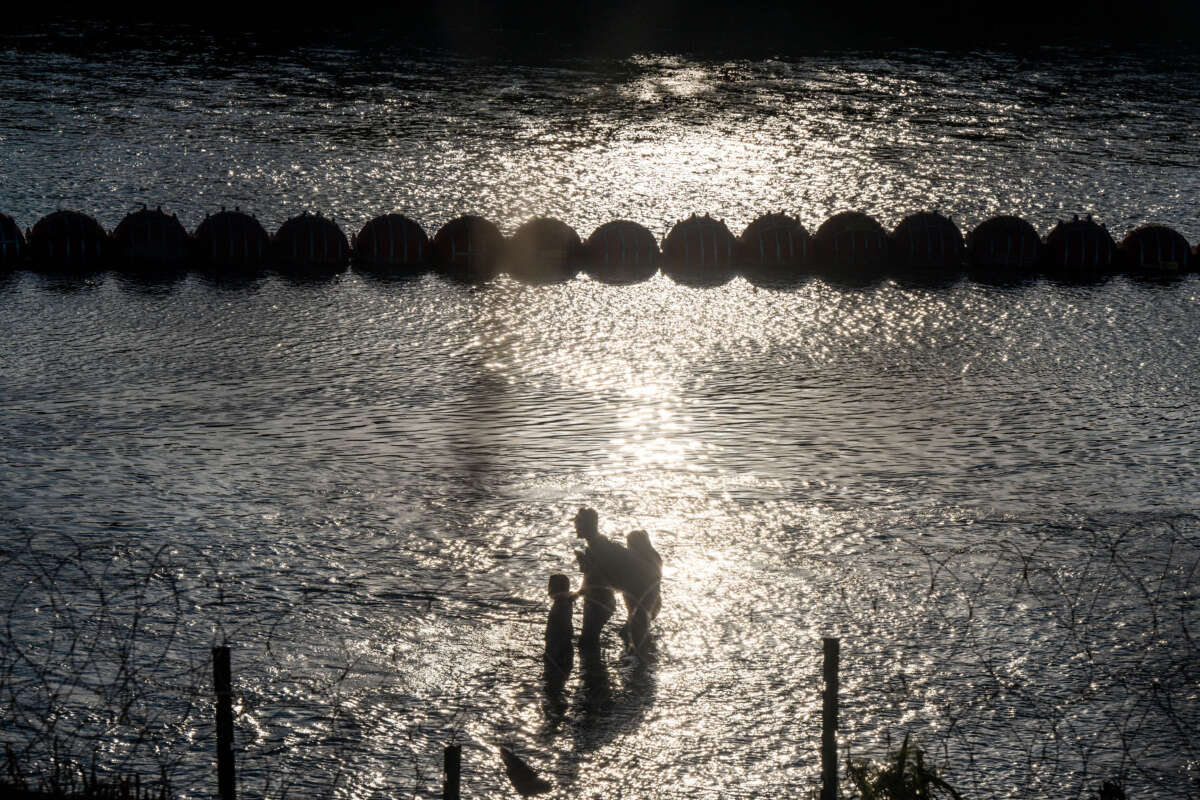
[(609, 566)]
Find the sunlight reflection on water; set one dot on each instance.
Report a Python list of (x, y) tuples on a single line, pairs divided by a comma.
[(386, 474), (364, 484)]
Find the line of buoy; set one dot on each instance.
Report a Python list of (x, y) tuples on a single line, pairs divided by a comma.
[(775, 250)]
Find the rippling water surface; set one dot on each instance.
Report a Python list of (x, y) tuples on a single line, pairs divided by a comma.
[(990, 495)]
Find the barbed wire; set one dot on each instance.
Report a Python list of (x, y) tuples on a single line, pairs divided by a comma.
[(105, 669)]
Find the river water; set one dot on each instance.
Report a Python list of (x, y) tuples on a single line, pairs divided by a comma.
[(990, 495)]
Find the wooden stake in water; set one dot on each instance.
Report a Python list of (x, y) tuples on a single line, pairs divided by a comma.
[(829, 715), (451, 769), (223, 684)]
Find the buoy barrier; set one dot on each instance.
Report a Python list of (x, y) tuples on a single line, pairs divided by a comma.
[(149, 239), (851, 247), (775, 250), (1154, 250), (927, 243), (393, 244), (1003, 249), (543, 250), (69, 240), (310, 242), (621, 252), (468, 249), (1079, 250), (12, 243), (699, 251), (230, 239)]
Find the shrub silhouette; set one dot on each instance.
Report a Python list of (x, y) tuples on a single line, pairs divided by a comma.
[(907, 777)]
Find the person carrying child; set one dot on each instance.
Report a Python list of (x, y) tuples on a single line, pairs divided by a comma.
[(608, 564)]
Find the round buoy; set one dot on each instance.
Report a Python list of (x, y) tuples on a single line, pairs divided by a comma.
[(467, 249), (12, 243), (543, 250), (621, 252), (232, 239), (699, 251), (151, 239), (310, 242), (852, 247), (392, 243), (1155, 250), (928, 244), (775, 250), (1079, 250), (1003, 249), (69, 240)]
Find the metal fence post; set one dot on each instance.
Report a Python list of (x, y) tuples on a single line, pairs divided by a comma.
[(223, 684), (829, 715), (451, 770)]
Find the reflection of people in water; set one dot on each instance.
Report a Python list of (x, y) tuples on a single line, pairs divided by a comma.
[(610, 564), (593, 674), (560, 654), (609, 706)]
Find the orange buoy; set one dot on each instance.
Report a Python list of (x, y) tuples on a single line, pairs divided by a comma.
[(543, 250), (1003, 249), (69, 240), (392, 243), (621, 252), (148, 238), (311, 242), (699, 251), (1079, 250), (927, 242), (1155, 250), (851, 246), (775, 250), (467, 249), (232, 239), (12, 243)]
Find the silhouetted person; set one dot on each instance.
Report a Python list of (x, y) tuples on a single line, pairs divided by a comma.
[(638, 543), (643, 606), (599, 604), (611, 564), (560, 653)]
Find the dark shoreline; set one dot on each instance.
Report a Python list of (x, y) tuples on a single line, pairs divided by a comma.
[(539, 30)]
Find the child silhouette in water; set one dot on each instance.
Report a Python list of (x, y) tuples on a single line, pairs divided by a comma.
[(560, 654)]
